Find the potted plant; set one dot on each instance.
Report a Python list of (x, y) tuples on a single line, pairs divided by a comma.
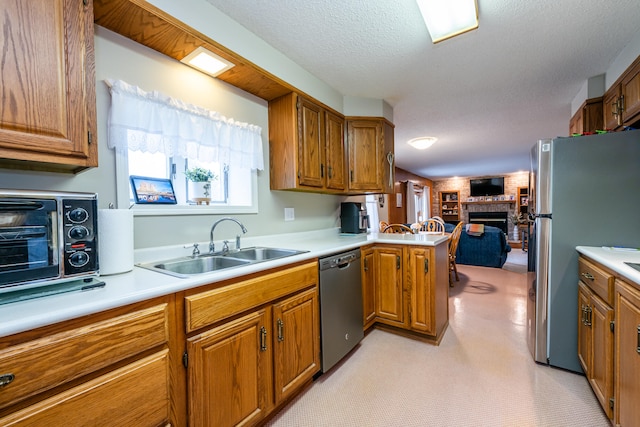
[(199, 184)]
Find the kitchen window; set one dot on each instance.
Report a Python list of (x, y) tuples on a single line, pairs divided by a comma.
[(161, 137)]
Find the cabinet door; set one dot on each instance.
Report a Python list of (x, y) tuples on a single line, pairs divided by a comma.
[(627, 363), (584, 330), (612, 118), (601, 375), (575, 124), (296, 342), (229, 373), (47, 95), (389, 286), (388, 159), (421, 292), (630, 88), (368, 287), (364, 139), (310, 144), (335, 152)]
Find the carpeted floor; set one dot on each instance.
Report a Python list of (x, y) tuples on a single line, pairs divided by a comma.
[(482, 374)]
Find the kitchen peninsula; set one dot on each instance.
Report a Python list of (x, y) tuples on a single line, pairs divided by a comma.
[(139, 347)]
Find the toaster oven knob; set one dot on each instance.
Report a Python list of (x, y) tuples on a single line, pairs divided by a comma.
[(78, 259), (78, 215), (78, 232)]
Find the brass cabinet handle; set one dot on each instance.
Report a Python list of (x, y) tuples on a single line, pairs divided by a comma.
[(397, 262), (638, 342), (366, 264), (588, 316), (426, 265), (263, 338), (280, 330), (6, 379), (321, 170), (588, 276)]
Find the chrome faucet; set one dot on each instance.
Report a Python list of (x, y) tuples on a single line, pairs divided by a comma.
[(212, 247)]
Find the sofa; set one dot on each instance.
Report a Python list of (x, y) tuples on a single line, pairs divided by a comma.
[(489, 249)]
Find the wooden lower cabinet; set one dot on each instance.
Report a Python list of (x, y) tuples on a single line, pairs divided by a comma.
[(595, 345), (113, 368), (296, 346), (429, 307), (134, 395), (411, 288), (389, 285), (627, 355), (229, 373), (252, 359), (368, 289)]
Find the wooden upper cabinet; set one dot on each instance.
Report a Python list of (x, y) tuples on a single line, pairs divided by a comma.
[(622, 100), (306, 146), (371, 155), (310, 144), (335, 152), (47, 89), (612, 119), (630, 90), (588, 118)]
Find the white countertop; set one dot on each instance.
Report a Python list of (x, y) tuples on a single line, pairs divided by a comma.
[(614, 259), (141, 284)]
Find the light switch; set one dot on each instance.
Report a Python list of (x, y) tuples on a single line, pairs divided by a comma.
[(289, 214)]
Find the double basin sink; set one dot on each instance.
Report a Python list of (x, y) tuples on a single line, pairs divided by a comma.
[(207, 263)]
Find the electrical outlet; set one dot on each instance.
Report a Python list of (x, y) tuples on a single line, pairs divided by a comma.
[(289, 214)]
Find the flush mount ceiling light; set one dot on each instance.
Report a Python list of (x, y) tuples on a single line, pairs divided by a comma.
[(207, 62), (423, 142), (449, 18)]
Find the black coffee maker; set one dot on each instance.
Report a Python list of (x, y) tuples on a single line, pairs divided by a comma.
[(353, 218)]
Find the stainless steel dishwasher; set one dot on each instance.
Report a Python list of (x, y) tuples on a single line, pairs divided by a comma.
[(340, 306)]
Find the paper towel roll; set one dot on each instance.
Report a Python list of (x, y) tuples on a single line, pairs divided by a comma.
[(115, 237)]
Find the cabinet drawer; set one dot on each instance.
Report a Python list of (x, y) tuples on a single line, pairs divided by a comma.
[(208, 307), (135, 395), (598, 280), (50, 361)]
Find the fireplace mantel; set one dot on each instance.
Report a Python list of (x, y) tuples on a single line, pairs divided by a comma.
[(493, 202)]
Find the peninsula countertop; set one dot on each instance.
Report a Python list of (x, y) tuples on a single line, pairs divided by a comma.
[(141, 284)]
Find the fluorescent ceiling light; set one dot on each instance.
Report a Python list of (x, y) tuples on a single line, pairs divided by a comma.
[(448, 18), (423, 142), (207, 62)]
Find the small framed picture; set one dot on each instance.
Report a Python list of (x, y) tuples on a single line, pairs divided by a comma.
[(471, 199), (148, 190), (502, 198), (512, 197), (488, 199)]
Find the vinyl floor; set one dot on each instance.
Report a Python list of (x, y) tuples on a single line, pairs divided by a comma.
[(482, 374)]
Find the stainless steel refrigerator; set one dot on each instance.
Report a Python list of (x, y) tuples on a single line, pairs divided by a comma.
[(583, 191)]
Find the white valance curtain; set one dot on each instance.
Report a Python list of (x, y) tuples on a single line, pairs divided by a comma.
[(152, 122)]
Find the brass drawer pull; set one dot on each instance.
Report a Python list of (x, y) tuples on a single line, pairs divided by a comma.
[(6, 379), (638, 349), (280, 330), (588, 276), (263, 338)]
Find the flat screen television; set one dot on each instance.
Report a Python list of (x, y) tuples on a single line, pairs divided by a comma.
[(487, 186)]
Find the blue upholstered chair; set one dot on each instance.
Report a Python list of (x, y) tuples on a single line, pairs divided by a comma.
[(488, 250)]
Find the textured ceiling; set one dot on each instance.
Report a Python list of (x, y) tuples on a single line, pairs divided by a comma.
[(488, 95)]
